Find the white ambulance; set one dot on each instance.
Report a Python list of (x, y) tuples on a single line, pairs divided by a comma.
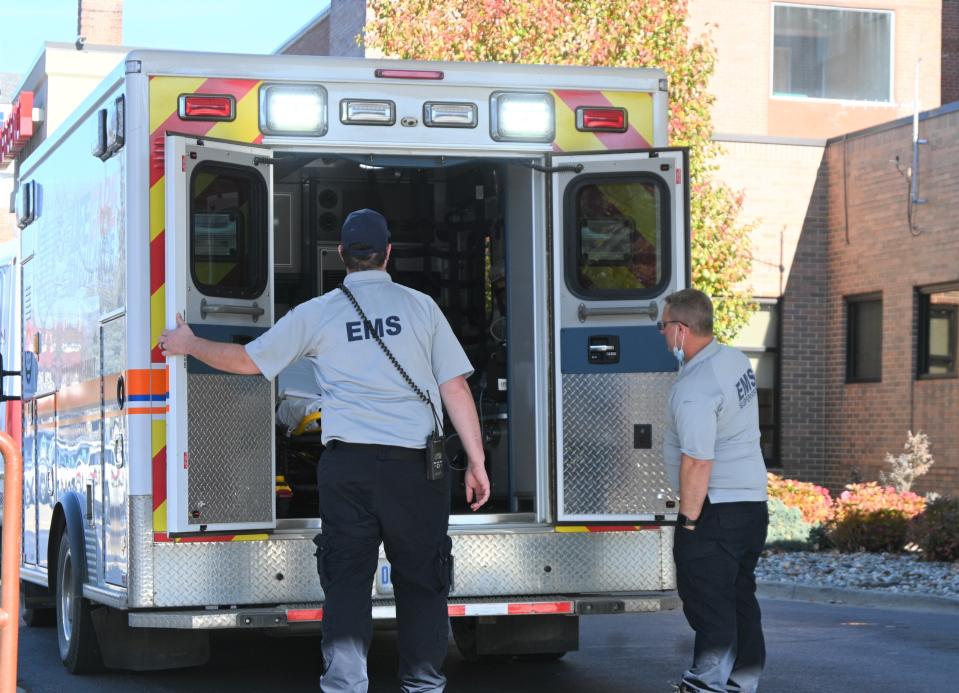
[(539, 206)]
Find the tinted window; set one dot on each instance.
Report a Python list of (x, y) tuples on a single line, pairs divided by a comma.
[(864, 335), (828, 53), (619, 245), (228, 231), (938, 332)]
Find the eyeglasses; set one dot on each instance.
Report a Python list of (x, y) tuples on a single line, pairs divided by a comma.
[(661, 325)]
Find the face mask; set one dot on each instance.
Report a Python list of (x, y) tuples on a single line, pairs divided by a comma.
[(679, 353)]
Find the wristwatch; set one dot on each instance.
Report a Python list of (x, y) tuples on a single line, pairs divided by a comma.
[(686, 522)]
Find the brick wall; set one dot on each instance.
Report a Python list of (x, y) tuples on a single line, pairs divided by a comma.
[(100, 21), (950, 51), (860, 242)]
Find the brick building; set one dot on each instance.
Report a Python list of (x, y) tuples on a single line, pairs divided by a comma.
[(869, 328)]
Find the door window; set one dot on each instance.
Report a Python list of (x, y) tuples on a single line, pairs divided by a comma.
[(228, 231), (618, 245)]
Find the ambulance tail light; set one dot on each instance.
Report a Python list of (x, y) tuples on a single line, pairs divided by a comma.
[(206, 107), (293, 109), (601, 119), (361, 112), (450, 115), (522, 117)]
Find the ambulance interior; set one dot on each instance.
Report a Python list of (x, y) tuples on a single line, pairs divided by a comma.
[(448, 221)]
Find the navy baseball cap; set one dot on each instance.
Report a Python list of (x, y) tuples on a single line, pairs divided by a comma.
[(364, 233)]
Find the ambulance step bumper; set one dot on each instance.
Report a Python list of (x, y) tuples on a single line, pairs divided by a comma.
[(295, 614)]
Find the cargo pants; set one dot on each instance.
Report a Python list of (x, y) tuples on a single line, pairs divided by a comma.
[(369, 494), (715, 576)]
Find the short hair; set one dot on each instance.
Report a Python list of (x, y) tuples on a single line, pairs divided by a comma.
[(369, 262), (692, 307)]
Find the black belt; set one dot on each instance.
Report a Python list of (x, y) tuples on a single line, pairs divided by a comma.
[(393, 452)]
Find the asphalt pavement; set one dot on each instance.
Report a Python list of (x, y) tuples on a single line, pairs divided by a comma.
[(813, 648)]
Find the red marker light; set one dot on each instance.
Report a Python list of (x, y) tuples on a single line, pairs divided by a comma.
[(598, 119), (408, 74), (207, 107)]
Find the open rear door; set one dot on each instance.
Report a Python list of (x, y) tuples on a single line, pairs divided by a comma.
[(620, 225), (219, 274)]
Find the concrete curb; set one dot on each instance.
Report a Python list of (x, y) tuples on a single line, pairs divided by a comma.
[(855, 597)]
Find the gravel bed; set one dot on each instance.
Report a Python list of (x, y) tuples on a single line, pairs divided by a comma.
[(884, 572)]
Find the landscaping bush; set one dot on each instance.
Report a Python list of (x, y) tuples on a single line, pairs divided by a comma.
[(936, 530), (870, 517), (788, 530), (814, 502)]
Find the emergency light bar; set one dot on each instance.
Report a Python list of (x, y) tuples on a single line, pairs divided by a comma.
[(293, 109), (356, 112), (449, 115), (601, 119), (206, 107), (522, 117)]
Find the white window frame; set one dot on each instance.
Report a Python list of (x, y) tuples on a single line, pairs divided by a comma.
[(805, 99)]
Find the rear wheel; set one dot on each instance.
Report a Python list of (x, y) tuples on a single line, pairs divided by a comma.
[(76, 638)]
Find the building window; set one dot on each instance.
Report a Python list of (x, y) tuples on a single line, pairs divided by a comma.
[(759, 340), (832, 53), (938, 311), (864, 339)]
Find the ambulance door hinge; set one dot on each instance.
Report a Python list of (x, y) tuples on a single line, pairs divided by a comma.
[(134, 67), (267, 160)]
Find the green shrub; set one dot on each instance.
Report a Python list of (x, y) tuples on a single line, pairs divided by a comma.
[(787, 528), (814, 502), (936, 530), (870, 517)]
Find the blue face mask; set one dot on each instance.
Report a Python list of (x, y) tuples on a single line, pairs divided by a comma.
[(680, 354)]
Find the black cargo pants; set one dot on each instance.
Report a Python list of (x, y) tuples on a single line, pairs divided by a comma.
[(369, 494), (715, 576)]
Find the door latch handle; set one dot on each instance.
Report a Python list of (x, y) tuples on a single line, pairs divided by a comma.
[(254, 311)]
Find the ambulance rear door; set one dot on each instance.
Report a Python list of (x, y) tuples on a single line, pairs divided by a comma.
[(219, 260), (620, 246)]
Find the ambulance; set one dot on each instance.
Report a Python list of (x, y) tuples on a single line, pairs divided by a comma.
[(540, 206)]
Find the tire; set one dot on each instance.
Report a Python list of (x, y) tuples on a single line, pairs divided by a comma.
[(35, 616), (76, 638)]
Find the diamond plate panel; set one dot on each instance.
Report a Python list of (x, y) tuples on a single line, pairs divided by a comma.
[(603, 474), (140, 569), (231, 448), (485, 565)]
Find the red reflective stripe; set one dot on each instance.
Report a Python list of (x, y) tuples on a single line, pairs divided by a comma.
[(456, 609), (304, 615), (540, 608)]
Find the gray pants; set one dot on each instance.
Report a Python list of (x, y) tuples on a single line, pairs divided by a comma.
[(715, 575), (369, 494)]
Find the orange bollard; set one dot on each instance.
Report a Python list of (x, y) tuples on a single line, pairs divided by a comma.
[(12, 525)]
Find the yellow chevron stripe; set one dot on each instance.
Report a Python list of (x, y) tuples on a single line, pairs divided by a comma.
[(251, 537), (157, 315), (159, 518), (640, 108), (570, 529), (246, 126), (568, 138), (157, 208), (164, 91), (157, 436)]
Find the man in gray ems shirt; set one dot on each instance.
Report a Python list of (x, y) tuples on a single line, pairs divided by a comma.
[(372, 477), (713, 459)]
